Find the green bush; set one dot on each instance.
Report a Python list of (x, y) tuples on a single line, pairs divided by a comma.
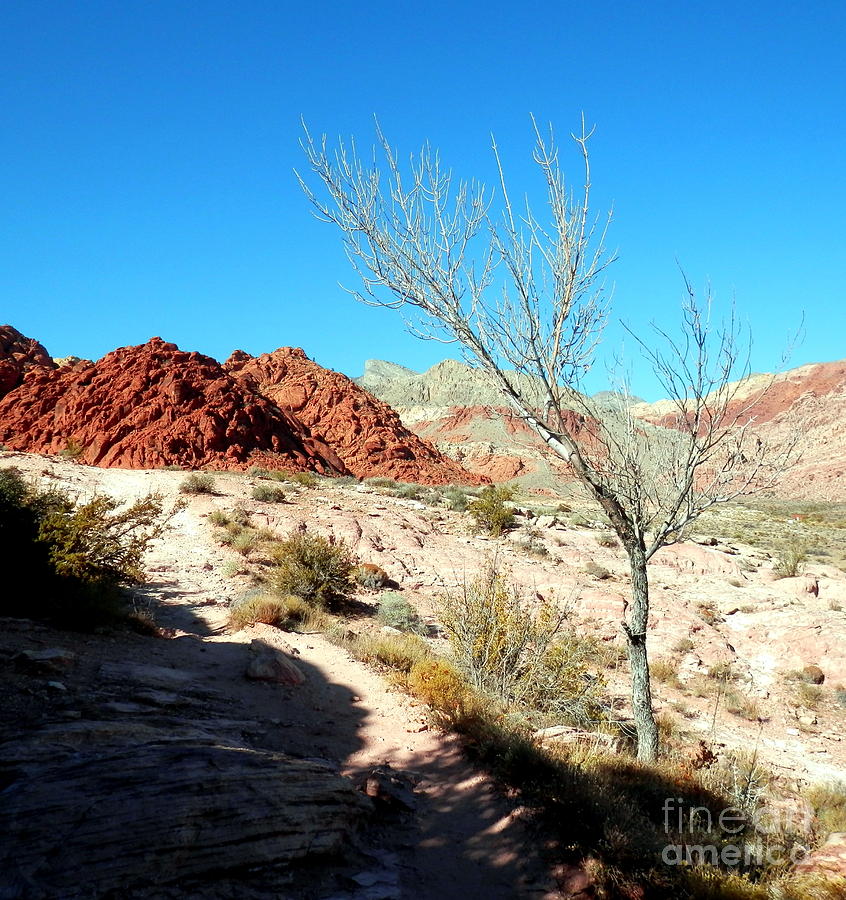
[(489, 510), (219, 517), (304, 479), (245, 541), (268, 493), (521, 654), (73, 559), (790, 559), (313, 567), (397, 612), (198, 483)]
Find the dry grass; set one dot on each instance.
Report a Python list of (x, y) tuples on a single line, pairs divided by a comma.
[(290, 613)]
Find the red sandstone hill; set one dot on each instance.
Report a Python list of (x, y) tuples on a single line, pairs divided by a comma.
[(366, 433), (155, 405), (19, 355)]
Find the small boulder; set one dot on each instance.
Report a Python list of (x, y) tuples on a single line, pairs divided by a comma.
[(52, 660), (269, 664), (813, 675)]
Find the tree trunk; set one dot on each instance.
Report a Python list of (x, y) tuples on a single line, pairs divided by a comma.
[(635, 628)]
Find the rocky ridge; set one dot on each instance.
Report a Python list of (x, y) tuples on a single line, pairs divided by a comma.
[(453, 406), (19, 355), (366, 433), (155, 405)]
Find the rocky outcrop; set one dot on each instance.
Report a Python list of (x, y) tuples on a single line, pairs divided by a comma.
[(155, 405), (19, 355), (366, 433), (141, 806)]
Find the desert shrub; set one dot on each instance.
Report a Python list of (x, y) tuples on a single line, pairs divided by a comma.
[(439, 685), (287, 612), (245, 541), (531, 546), (313, 567), (382, 483), (397, 651), (268, 493), (72, 450), (683, 645), (723, 671), (396, 611), (74, 559), (455, 498), (371, 576), (259, 472), (829, 805), (665, 671), (596, 571), (239, 516), (523, 656), (198, 483), (304, 479), (840, 696), (232, 567), (809, 695), (742, 705), (790, 558), (219, 517), (607, 540), (490, 512)]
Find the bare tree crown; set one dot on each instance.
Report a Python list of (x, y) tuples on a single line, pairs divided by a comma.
[(526, 298)]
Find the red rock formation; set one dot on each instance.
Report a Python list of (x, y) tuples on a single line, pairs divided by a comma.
[(155, 405), (19, 355), (366, 433)]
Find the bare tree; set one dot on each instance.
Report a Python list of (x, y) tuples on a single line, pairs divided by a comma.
[(526, 297)]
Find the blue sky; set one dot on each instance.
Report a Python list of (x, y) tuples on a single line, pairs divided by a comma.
[(148, 148)]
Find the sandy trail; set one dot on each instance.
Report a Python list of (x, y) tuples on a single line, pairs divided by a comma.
[(465, 838)]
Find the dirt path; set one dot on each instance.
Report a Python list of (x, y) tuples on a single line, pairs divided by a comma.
[(464, 839)]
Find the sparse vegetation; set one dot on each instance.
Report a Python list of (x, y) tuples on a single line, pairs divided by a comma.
[(72, 450), (198, 483), (490, 510), (791, 558), (809, 695), (396, 611), (267, 493), (665, 671), (74, 558), (219, 517), (245, 541), (600, 573), (526, 657), (287, 612), (396, 651), (303, 479), (313, 567)]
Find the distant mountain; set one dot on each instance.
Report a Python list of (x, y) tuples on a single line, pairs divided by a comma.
[(614, 396), (455, 407), (379, 372)]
